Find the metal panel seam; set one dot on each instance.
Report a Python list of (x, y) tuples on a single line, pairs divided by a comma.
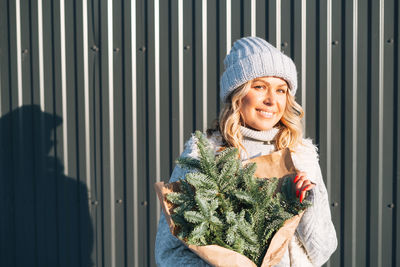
[(354, 139), (329, 95), (253, 17), (134, 136), (19, 60), (380, 151), (86, 95), (64, 86), (204, 43), (278, 24), (40, 52), (303, 58), (111, 124), (228, 25), (157, 93), (180, 59)]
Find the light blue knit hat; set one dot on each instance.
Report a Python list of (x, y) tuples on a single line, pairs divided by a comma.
[(253, 57)]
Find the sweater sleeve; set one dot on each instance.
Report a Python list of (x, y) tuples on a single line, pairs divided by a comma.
[(315, 230), (169, 250)]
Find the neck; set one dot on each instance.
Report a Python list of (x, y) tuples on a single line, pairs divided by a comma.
[(264, 136)]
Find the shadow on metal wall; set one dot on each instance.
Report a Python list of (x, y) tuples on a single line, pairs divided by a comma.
[(44, 215)]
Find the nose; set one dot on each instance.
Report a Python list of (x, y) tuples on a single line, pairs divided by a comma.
[(269, 99)]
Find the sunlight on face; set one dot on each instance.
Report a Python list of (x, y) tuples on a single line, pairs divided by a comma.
[(264, 105)]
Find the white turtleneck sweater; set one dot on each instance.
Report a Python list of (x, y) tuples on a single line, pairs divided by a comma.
[(315, 238)]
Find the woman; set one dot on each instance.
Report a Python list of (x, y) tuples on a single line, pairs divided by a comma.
[(261, 116)]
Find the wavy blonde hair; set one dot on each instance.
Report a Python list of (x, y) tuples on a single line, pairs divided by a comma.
[(230, 119)]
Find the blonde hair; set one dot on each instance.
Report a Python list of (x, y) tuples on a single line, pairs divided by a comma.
[(230, 119)]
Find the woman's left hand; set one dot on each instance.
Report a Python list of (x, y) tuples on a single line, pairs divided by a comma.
[(302, 185)]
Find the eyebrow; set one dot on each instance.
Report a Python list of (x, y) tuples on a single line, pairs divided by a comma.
[(259, 80)]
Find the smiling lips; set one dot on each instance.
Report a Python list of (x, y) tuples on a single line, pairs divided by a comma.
[(265, 114)]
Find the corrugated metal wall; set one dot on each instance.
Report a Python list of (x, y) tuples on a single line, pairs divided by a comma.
[(98, 97)]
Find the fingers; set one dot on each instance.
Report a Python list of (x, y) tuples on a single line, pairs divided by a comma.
[(303, 191), (302, 185), (299, 176), (299, 181)]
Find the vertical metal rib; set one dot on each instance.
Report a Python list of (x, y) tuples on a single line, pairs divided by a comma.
[(204, 39), (1, 90), (354, 149), (278, 24), (329, 95), (134, 137), (228, 25), (253, 17), (19, 60), (303, 58), (157, 92), (380, 159), (40, 45), (64, 87), (111, 125), (86, 94), (180, 59)]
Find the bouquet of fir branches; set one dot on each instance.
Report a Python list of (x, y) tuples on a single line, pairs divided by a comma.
[(221, 202)]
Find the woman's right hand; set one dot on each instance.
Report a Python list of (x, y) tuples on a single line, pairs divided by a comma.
[(302, 185)]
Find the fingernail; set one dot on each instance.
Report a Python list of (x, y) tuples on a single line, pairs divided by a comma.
[(297, 193), (295, 179), (301, 198)]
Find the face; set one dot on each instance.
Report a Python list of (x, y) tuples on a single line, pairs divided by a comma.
[(264, 105)]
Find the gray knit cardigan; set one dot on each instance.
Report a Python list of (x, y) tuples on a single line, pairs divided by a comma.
[(315, 238)]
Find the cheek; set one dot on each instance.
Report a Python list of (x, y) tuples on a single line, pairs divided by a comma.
[(246, 104), (283, 103), (282, 107)]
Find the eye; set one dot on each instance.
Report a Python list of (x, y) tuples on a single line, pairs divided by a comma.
[(282, 90), (261, 87)]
